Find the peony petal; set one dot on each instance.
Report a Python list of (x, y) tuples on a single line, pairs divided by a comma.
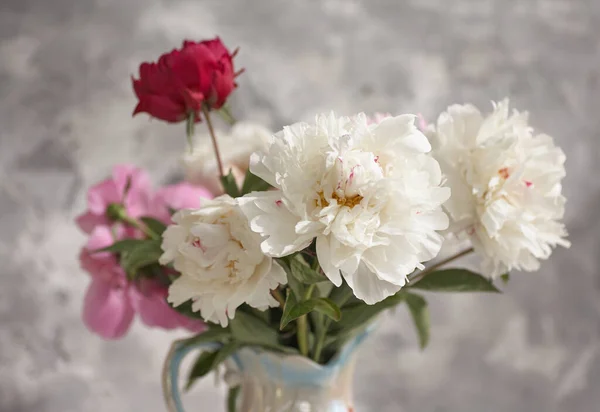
[(138, 186), (162, 108), (107, 310), (88, 221), (176, 197), (152, 306), (325, 260), (100, 237), (101, 195), (368, 287), (401, 129), (276, 227), (390, 263)]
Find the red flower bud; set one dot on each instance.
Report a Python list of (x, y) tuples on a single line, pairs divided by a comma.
[(185, 79)]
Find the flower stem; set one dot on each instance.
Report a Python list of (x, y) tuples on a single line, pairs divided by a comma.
[(213, 137), (189, 129), (320, 339), (117, 213), (302, 333), (438, 265), (302, 326), (139, 225)]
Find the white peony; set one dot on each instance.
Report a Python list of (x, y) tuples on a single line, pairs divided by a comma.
[(505, 181), (220, 261), (235, 147), (367, 192)]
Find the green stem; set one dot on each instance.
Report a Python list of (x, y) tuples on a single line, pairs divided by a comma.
[(232, 398), (340, 296), (139, 225), (320, 338), (309, 291), (213, 137), (189, 129), (302, 326), (302, 333)]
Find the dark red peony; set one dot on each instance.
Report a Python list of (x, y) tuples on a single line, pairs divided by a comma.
[(183, 80)]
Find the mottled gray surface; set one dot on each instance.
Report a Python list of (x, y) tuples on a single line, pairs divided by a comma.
[(65, 104)]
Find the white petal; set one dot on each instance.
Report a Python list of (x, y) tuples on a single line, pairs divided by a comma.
[(402, 130), (258, 168), (368, 287), (324, 256), (182, 290), (277, 227)]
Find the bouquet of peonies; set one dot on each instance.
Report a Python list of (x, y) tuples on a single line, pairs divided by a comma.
[(300, 245)]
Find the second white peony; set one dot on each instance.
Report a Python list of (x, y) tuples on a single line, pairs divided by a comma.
[(506, 185), (220, 261), (367, 192)]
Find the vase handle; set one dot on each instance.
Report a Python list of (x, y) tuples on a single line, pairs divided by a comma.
[(170, 374)]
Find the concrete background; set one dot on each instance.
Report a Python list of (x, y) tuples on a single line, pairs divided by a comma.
[(65, 104)]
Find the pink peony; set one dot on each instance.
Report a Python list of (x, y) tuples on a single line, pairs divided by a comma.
[(150, 301), (135, 199), (107, 309), (112, 300), (175, 197)]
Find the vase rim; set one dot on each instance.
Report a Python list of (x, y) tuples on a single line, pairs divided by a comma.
[(298, 369)]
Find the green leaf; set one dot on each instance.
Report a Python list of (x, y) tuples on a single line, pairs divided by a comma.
[(202, 365), (420, 314), (253, 183), (505, 278), (225, 113), (145, 253), (232, 395), (290, 302), (154, 225), (226, 351), (249, 329), (360, 314), (212, 334), (121, 246), (303, 272), (229, 185), (294, 284), (260, 314), (207, 361), (340, 295), (454, 280), (294, 310)]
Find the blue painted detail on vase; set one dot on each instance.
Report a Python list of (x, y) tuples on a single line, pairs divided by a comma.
[(317, 375), (180, 352)]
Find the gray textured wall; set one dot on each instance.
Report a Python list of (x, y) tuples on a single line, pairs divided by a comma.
[(65, 104)]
